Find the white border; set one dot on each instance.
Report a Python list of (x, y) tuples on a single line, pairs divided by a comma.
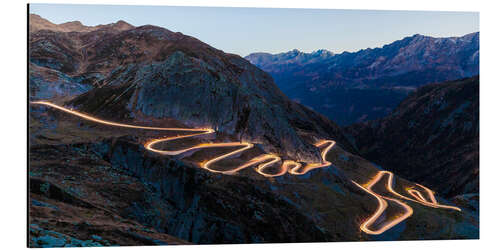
[(311, 4), (13, 104)]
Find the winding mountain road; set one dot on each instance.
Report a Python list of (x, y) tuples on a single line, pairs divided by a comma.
[(382, 200), (265, 161)]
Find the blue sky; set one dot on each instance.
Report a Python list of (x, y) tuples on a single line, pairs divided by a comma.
[(246, 30)]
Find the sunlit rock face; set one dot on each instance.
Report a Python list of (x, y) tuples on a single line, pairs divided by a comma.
[(246, 103), (152, 73)]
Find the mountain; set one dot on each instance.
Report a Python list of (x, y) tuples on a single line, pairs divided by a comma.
[(432, 137), (150, 71), (56, 56), (368, 84), (93, 183), (281, 62)]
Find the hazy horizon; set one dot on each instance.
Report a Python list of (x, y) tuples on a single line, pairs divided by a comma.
[(274, 30)]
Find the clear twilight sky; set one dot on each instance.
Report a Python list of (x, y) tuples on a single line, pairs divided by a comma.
[(246, 30)]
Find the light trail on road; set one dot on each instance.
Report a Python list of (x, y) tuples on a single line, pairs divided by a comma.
[(116, 124), (408, 211), (264, 161), (415, 193)]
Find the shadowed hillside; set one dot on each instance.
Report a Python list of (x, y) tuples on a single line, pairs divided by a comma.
[(432, 137)]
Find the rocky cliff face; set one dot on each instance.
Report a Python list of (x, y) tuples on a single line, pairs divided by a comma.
[(432, 137), (368, 84)]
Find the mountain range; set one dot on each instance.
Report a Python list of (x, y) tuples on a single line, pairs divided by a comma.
[(358, 86)]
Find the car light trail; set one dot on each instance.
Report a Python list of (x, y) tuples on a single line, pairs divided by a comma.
[(413, 192), (408, 211), (116, 124), (265, 161)]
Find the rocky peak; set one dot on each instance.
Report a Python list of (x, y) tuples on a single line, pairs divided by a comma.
[(292, 58), (73, 26), (37, 23), (122, 25), (322, 52)]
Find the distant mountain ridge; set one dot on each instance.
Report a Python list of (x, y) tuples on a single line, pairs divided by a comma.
[(269, 62), (37, 23), (336, 84)]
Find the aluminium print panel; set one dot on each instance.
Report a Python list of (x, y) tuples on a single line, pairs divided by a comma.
[(159, 125)]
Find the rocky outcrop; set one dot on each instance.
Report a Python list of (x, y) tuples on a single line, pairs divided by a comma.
[(432, 137), (46, 83)]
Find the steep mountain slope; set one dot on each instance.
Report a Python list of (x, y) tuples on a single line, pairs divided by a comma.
[(368, 84), (432, 137), (152, 72), (58, 57)]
